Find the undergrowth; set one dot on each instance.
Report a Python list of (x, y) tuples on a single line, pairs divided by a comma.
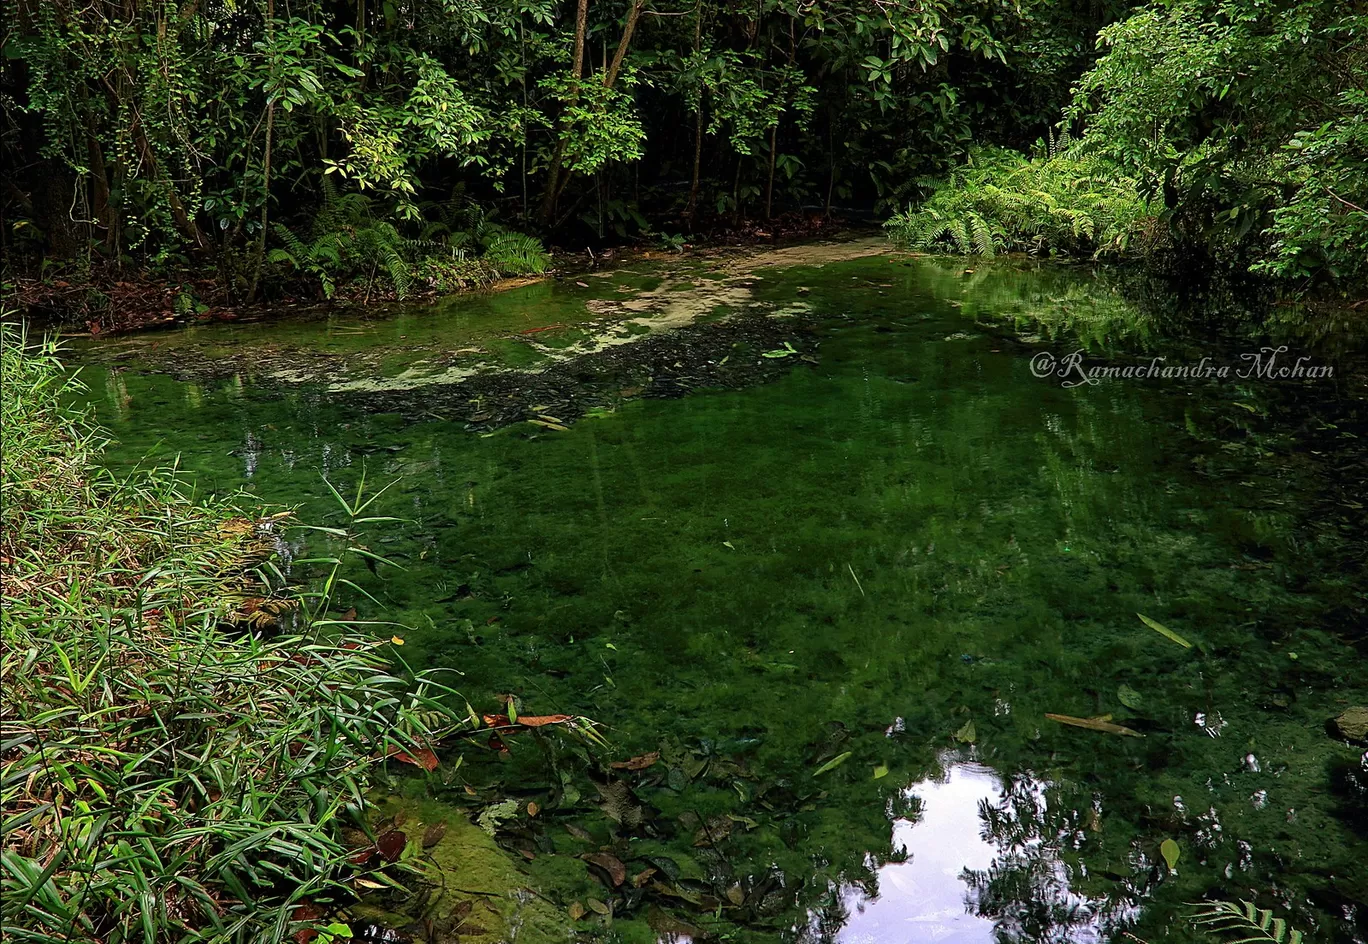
[(1063, 200), (184, 739), (349, 245)]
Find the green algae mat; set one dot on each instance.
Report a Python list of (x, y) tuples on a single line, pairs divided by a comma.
[(910, 613)]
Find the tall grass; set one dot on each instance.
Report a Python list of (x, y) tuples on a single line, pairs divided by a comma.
[(173, 767)]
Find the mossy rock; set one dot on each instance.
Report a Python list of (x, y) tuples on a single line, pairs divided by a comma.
[(465, 886), (1351, 725)]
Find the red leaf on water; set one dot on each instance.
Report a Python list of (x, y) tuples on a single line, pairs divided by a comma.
[(425, 758), (306, 912), (526, 721), (391, 845)]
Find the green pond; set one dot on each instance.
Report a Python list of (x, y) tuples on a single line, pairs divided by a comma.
[(840, 587)]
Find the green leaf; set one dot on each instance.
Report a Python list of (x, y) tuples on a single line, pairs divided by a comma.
[(1129, 697), (967, 733), (1170, 851), (1164, 631), (832, 764), (880, 771)]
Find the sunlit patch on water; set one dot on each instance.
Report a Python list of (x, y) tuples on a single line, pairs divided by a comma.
[(980, 862)]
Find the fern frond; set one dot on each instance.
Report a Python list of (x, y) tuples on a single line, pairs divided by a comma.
[(983, 236), (516, 253), (1254, 925)]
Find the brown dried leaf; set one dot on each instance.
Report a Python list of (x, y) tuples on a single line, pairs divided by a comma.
[(1094, 724), (434, 834), (611, 864), (637, 763), (391, 845)]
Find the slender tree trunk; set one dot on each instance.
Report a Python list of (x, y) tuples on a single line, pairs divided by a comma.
[(692, 208), (769, 187), (266, 167), (553, 173), (265, 204), (633, 13)]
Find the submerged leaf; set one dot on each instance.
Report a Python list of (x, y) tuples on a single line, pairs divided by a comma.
[(1094, 724), (832, 764), (967, 733), (1170, 851), (1164, 631), (1129, 697)]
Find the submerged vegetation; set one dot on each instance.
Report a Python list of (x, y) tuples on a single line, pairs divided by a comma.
[(185, 740)]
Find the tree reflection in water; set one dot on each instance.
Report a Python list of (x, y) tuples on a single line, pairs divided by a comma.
[(987, 861)]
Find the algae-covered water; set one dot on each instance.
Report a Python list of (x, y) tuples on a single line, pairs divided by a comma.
[(834, 552)]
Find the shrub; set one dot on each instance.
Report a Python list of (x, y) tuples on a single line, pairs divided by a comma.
[(183, 740), (1063, 200)]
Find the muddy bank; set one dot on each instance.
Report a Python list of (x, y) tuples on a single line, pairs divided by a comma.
[(542, 353), (729, 354)]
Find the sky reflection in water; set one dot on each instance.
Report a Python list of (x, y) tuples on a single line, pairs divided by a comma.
[(975, 842)]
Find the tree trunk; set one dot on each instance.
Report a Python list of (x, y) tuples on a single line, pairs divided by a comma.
[(553, 173), (265, 205), (266, 166), (692, 208), (769, 188), (633, 12)]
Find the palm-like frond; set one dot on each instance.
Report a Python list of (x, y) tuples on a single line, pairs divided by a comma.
[(1241, 920)]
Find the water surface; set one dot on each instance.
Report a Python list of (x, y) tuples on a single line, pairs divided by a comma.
[(899, 553)]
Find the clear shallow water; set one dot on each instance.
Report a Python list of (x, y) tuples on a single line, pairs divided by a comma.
[(858, 559)]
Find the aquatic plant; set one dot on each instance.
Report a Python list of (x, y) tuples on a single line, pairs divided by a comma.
[(175, 769)]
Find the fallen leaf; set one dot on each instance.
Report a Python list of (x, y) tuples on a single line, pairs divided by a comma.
[(1129, 697), (967, 733), (532, 808), (425, 758), (576, 911), (580, 834), (832, 764), (610, 864), (391, 845), (434, 834), (642, 877), (597, 906), (640, 762), (1170, 851), (736, 896), (306, 912), (1093, 724), (1164, 631), (526, 721), (397, 640)]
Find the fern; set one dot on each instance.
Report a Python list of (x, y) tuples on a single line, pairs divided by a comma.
[(1065, 199), (983, 235), (1252, 925), (516, 253)]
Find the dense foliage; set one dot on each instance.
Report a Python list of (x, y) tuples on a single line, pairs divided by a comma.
[(178, 132), (182, 745), (1244, 123), (1065, 199)]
